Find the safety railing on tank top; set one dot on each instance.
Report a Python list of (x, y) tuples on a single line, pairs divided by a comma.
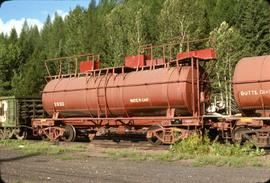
[(154, 56), (70, 66), (167, 53)]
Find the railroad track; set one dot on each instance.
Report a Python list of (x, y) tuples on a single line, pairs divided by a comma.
[(123, 144), (135, 141), (142, 145)]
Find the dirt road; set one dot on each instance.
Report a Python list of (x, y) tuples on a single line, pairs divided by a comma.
[(16, 167)]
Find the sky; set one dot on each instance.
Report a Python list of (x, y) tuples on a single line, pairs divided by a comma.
[(13, 13)]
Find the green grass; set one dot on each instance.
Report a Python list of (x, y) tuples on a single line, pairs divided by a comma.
[(191, 149), (200, 154), (42, 147), (134, 154), (208, 153)]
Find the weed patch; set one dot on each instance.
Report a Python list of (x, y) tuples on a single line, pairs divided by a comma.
[(200, 153)]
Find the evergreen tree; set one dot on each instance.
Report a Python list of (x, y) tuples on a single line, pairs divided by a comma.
[(183, 18), (129, 28), (116, 28), (219, 11), (47, 38), (58, 33), (10, 54), (90, 27), (75, 43), (13, 38), (102, 46), (254, 26)]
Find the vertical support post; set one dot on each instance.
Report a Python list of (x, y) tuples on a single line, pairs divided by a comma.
[(230, 89), (188, 48), (170, 112), (122, 70), (151, 52), (170, 52), (60, 69), (192, 87), (164, 53), (76, 66), (198, 87), (177, 64), (99, 72), (105, 96)]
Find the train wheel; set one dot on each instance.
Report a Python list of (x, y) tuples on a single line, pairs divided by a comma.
[(21, 134), (69, 134), (44, 137), (152, 134), (237, 135)]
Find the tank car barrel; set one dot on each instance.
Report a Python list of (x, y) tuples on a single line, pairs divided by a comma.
[(139, 93)]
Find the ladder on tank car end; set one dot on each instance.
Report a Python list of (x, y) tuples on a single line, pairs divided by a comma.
[(102, 106)]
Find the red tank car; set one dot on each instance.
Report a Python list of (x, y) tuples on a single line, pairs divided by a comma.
[(251, 88), (163, 99), (251, 85), (138, 93)]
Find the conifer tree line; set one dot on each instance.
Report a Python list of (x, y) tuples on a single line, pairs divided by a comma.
[(116, 28)]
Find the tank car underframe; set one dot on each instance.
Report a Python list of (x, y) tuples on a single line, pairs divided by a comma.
[(168, 130), (240, 129)]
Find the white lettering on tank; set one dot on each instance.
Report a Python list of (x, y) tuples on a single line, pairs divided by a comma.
[(254, 92), (59, 104), (139, 100)]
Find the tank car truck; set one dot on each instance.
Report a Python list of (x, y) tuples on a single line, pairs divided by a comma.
[(16, 114), (158, 92)]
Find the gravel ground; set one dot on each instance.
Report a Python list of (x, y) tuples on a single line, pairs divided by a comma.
[(16, 167)]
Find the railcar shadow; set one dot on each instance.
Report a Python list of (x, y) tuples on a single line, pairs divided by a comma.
[(18, 157), (3, 160), (115, 138), (267, 181)]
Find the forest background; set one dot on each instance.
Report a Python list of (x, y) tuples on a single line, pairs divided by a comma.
[(116, 28)]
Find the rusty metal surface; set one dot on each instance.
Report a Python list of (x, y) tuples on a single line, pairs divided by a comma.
[(134, 121), (141, 93), (89, 65), (205, 54), (251, 83), (135, 61)]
